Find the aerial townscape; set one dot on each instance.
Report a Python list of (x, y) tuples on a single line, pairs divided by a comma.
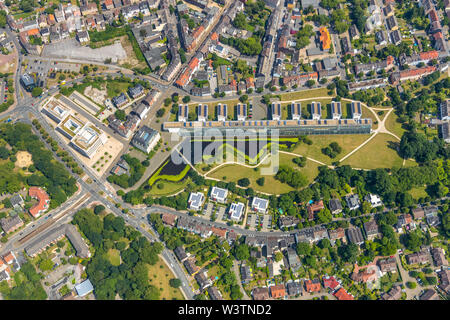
[(224, 150)]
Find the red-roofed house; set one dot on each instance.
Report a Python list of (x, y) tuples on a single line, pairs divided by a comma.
[(214, 36), (312, 285), (314, 208), (169, 219), (278, 291), (9, 257), (341, 294), (43, 201), (429, 55), (219, 232), (330, 282)]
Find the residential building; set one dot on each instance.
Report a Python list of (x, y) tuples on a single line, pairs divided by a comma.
[(336, 110), (288, 221), (335, 234), (260, 205), (11, 224), (180, 253), (438, 255), (278, 291), (330, 282), (314, 208), (43, 201), (246, 273), (312, 285), (387, 265), (374, 200), (196, 200), (214, 293), (418, 257), (352, 201), (341, 294), (236, 211), (169, 219), (218, 194), (294, 288), (429, 294), (145, 139), (17, 202), (190, 265), (394, 294), (371, 229), (203, 280), (335, 206), (222, 112), (260, 293), (355, 235)]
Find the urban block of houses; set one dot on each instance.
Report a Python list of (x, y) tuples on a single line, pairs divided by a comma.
[(41, 242)]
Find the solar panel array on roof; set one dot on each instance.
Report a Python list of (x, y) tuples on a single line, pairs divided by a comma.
[(336, 110), (296, 110), (316, 110), (356, 109), (183, 111)]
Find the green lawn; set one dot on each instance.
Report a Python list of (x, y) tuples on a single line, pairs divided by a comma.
[(417, 193), (394, 126), (376, 154), (169, 188), (114, 88), (305, 94), (234, 172), (314, 151), (114, 257)]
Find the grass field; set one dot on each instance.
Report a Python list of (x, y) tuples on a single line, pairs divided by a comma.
[(314, 151), (234, 172), (378, 153), (159, 275), (114, 88), (417, 193), (114, 257), (169, 188), (304, 94), (394, 126)]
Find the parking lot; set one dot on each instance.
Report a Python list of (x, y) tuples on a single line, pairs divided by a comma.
[(208, 210), (259, 110), (221, 217), (263, 221)]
